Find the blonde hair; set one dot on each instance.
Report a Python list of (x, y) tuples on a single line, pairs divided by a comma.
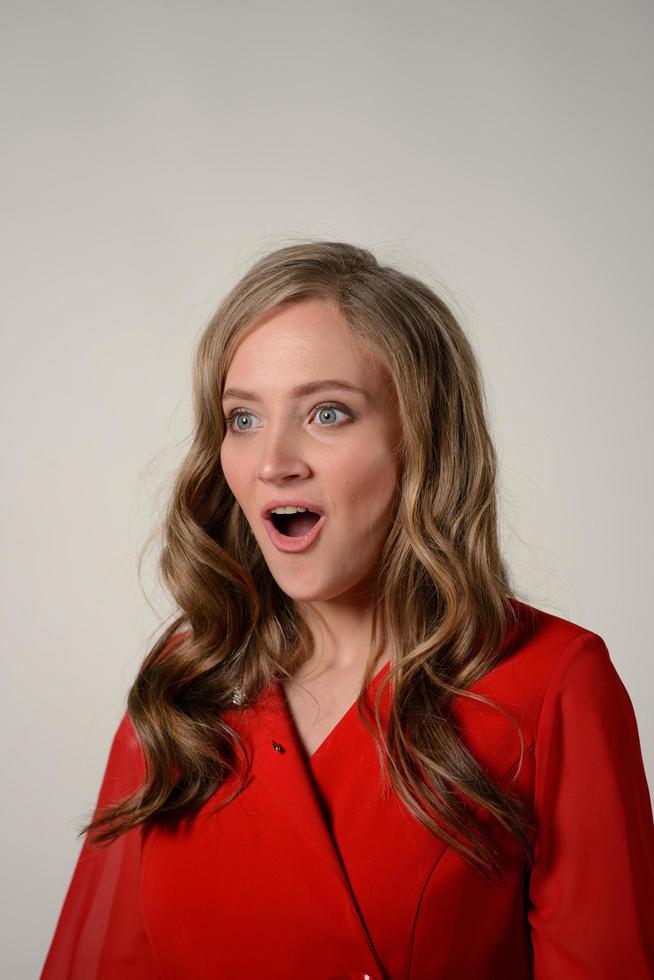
[(442, 591)]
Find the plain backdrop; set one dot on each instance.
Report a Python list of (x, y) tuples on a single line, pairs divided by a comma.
[(150, 153)]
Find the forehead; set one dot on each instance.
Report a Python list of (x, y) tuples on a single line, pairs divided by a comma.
[(301, 342)]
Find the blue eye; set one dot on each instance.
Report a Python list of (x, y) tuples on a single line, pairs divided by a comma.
[(326, 407)]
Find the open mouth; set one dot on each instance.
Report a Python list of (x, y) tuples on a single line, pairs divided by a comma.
[(295, 525)]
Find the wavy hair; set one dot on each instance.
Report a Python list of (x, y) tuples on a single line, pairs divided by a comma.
[(442, 592)]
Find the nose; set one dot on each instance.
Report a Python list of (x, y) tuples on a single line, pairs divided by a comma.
[(281, 458)]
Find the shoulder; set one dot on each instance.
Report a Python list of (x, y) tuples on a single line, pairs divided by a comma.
[(126, 740), (540, 654), (125, 768), (546, 657)]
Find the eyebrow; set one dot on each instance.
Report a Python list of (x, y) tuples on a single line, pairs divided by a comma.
[(309, 388)]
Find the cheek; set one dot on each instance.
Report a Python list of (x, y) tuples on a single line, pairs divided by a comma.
[(224, 462), (370, 481), (232, 472), (230, 456)]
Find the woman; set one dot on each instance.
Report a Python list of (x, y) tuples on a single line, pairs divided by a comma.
[(355, 752)]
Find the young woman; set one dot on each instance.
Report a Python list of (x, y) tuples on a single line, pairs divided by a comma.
[(355, 752)]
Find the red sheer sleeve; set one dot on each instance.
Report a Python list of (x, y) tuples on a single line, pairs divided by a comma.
[(592, 888), (100, 933)]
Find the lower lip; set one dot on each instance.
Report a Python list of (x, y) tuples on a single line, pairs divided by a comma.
[(285, 543)]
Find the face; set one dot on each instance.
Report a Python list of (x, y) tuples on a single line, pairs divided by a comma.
[(332, 447)]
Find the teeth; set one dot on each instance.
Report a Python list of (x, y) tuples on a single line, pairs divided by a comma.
[(289, 510)]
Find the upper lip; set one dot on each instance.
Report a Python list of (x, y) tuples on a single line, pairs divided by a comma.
[(290, 503)]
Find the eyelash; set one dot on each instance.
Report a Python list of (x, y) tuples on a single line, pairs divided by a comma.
[(243, 411)]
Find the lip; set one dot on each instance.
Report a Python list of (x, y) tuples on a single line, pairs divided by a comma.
[(285, 543), (265, 512)]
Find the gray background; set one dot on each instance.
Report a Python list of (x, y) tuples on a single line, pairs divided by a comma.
[(152, 151)]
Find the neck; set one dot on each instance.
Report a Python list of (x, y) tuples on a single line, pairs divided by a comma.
[(341, 633)]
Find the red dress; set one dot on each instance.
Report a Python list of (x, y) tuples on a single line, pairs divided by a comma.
[(312, 873)]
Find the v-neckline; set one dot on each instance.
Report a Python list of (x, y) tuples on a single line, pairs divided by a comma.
[(342, 721)]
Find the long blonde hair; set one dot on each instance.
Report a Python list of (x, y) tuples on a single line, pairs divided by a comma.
[(442, 590)]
